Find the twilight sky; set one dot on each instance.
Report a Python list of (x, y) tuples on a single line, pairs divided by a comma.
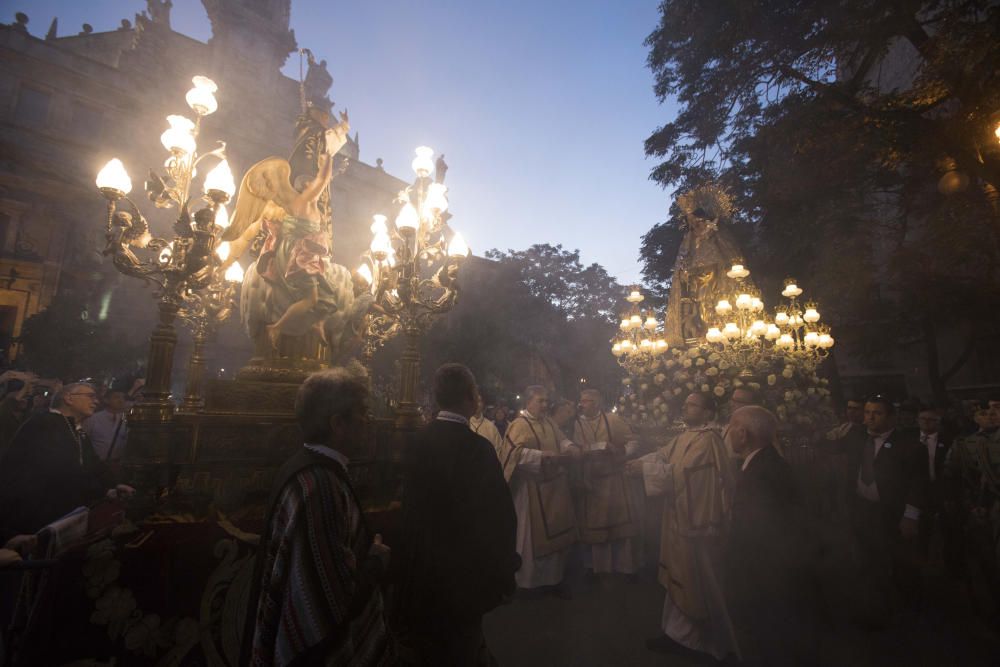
[(540, 107)]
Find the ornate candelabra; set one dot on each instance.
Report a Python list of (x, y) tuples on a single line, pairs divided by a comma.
[(640, 338), (180, 269), (411, 271), (801, 337), (747, 341), (740, 331)]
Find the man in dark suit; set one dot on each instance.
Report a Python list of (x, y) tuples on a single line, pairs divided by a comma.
[(459, 548), (887, 474), (767, 585), (936, 445)]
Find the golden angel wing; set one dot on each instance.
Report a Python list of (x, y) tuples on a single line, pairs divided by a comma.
[(266, 181)]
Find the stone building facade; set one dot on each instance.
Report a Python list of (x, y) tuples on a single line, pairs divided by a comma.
[(71, 103)]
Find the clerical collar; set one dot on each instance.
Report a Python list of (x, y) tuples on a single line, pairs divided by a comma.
[(446, 416), (328, 452)]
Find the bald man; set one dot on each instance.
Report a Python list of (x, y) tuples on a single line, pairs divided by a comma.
[(765, 558)]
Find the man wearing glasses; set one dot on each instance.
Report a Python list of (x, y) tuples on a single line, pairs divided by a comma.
[(50, 468)]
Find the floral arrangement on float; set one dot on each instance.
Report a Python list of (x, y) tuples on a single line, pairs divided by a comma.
[(792, 390)]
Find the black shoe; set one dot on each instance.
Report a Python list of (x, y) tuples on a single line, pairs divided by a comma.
[(663, 644), (562, 591)]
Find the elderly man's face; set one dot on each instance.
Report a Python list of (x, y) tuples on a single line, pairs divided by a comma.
[(589, 405), (929, 422), (537, 405), (694, 412)]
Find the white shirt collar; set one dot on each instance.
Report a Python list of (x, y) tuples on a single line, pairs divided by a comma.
[(749, 458), (328, 452), (446, 416)]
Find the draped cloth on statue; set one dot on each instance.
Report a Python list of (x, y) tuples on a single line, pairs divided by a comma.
[(546, 522), (695, 475), (606, 511)]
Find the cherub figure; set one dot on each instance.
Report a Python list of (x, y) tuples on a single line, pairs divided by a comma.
[(293, 286)]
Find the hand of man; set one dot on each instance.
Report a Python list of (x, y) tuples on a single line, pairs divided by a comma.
[(8, 557), (908, 528), (22, 544), (380, 551), (120, 492)]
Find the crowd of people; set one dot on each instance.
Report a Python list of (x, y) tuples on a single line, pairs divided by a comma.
[(498, 504)]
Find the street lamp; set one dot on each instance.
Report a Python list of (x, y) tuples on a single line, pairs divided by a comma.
[(640, 337), (410, 269), (180, 268)]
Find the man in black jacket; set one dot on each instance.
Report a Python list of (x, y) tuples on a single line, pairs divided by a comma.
[(887, 474), (767, 585), (50, 468), (459, 551)]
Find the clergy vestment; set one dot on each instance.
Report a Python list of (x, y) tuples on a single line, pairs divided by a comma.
[(693, 471), (609, 511), (546, 522), (482, 426), (316, 598)]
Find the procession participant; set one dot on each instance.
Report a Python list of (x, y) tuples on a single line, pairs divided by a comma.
[(481, 425), (563, 413), (50, 468), (854, 420), (608, 514), (533, 456), (972, 470), (315, 596), (767, 579), (107, 428), (887, 474), (458, 555), (693, 472)]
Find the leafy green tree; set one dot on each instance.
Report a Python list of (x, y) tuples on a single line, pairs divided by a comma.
[(857, 139)]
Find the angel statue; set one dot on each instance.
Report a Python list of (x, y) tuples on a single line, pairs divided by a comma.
[(707, 252), (293, 287)]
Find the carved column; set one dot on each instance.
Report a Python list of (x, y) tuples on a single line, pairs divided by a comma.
[(408, 413), (155, 405), (194, 398)]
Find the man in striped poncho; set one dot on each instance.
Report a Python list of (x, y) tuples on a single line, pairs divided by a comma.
[(316, 598)]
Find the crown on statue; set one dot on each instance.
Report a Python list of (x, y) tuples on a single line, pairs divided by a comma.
[(712, 200)]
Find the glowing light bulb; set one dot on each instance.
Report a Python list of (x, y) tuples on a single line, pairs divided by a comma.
[(744, 301), (714, 335), (436, 199), (731, 331), (773, 332), (811, 315), (113, 177), (222, 250), (201, 98), (458, 247), (723, 307), (408, 220), (234, 273), (222, 217), (378, 224), (179, 137), (781, 319), (423, 164), (616, 349), (221, 179), (366, 274)]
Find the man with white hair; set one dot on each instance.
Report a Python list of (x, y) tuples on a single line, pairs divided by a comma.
[(50, 468), (533, 457), (766, 572), (315, 596)]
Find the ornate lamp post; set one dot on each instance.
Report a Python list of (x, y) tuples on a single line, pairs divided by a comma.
[(410, 269), (180, 268), (640, 338)]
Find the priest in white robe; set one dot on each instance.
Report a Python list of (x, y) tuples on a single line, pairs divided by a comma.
[(609, 514), (480, 425), (694, 473), (533, 455)]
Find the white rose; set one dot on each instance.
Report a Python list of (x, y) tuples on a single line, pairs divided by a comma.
[(712, 372), (714, 357), (723, 365), (694, 352), (771, 380), (677, 391), (671, 363), (787, 374), (699, 362), (705, 387), (686, 363), (719, 391)]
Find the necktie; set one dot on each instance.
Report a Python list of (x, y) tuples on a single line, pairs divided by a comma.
[(868, 461)]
